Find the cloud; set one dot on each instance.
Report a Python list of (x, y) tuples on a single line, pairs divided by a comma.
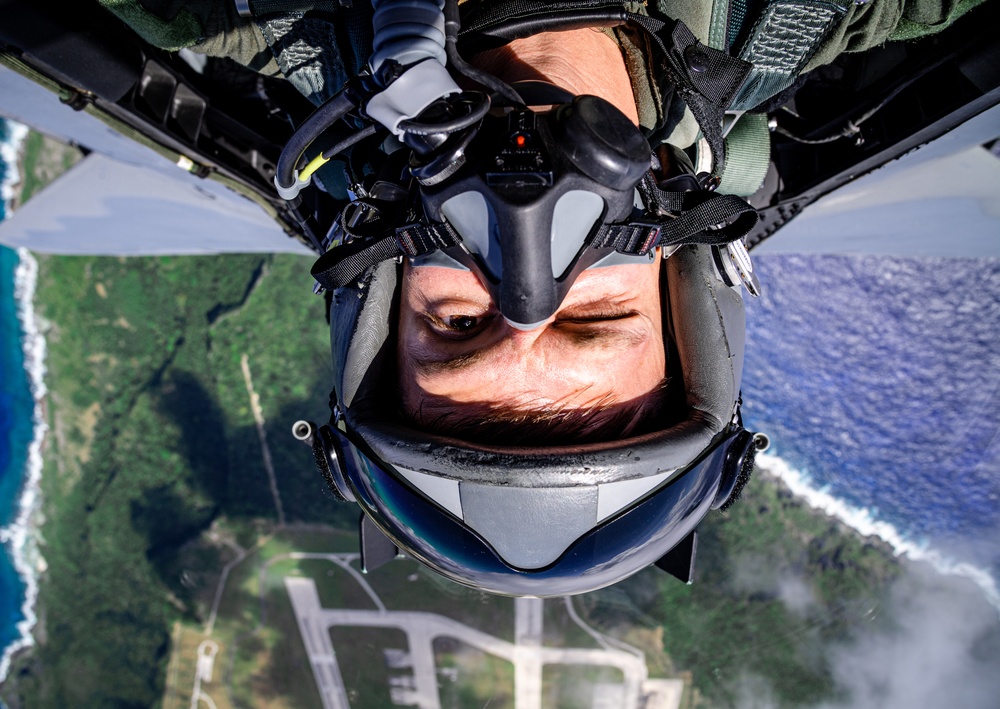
[(934, 643), (938, 646), (754, 574)]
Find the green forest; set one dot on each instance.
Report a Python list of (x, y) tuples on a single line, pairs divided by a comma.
[(152, 438)]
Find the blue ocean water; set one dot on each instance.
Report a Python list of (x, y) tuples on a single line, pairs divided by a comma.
[(16, 433), (879, 378), (16, 427)]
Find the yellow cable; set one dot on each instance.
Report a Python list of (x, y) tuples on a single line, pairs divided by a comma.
[(315, 164)]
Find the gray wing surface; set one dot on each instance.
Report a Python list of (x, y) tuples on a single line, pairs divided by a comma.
[(942, 199), (124, 199)]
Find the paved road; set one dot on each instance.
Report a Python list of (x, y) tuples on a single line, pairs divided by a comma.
[(207, 650)]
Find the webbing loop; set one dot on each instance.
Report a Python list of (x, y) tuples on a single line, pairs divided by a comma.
[(346, 263), (705, 78)]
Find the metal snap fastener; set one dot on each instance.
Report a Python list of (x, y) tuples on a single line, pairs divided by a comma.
[(696, 59)]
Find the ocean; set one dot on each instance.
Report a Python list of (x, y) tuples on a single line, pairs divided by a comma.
[(877, 379)]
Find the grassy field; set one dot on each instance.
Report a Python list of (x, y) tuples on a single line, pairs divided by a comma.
[(469, 677), (43, 160)]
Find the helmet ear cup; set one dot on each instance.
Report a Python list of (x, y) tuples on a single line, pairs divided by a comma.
[(328, 463), (736, 470)]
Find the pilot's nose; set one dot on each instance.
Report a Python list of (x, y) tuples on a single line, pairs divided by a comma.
[(524, 339)]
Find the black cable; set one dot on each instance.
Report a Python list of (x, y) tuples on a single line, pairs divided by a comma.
[(852, 127), (350, 140), (452, 24), (321, 119), (452, 126)]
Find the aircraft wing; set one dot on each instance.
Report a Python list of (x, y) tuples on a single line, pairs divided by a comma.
[(911, 179), (124, 198), (942, 199)]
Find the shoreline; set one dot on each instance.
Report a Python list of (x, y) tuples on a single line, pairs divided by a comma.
[(861, 521), (11, 156), (20, 536)]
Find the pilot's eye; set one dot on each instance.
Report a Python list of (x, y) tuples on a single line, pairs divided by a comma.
[(461, 323), (458, 326)]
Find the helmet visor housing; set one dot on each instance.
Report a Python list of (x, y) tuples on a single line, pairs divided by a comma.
[(610, 549)]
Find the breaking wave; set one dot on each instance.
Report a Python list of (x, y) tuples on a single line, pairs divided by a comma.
[(10, 147), (19, 536), (864, 522)]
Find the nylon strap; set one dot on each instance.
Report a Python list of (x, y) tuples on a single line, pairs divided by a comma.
[(783, 40), (705, 78), (718, 220), (634, 238), (748, 155), (718, 36), (418, 239), (345, 264)]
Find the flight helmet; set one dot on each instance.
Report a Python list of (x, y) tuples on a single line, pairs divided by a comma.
[(528, 200)]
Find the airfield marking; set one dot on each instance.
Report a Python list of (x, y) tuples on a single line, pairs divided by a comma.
[(207, 650), (527, 652), (258, 417), (319, 646)]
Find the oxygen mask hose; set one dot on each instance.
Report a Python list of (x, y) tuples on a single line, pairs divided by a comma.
[(407, 32), (287, 179), (408, 60), (407, 64)]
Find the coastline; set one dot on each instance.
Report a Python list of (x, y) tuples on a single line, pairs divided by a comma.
[(861, 521), (11, 156), (20, 536)]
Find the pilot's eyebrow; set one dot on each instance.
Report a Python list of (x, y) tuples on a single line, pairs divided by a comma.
[(602, 323), (604, 335), (581, 335), (433, 365), (595, 312)]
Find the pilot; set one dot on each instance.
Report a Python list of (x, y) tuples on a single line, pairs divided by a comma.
[(537, 317)]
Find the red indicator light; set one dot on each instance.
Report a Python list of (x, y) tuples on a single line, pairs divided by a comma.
[(520, 140)]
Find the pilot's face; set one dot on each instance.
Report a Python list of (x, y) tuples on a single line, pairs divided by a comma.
[(604, 345)]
